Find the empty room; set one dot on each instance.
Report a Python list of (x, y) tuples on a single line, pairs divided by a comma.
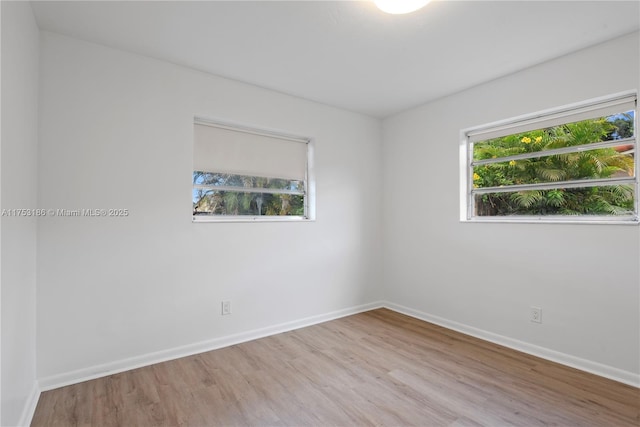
[(319, 213)]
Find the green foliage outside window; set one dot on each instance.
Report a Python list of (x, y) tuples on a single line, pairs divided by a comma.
[(580, 165), (241, 195)]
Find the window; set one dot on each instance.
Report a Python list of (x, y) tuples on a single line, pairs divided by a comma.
[(572, 164), (241, 173)]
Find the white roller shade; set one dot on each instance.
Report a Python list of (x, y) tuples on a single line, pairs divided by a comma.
[(219, 148), (544, 121)]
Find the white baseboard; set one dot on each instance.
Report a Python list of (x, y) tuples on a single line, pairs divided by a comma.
[(30, 406), (74, 377), (599, 369), (77, 376)]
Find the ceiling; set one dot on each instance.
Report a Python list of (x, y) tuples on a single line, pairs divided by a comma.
[(347, 54)]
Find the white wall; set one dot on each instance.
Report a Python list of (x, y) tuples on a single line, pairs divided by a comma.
[(116, 132), (484, 277), (20, 46)]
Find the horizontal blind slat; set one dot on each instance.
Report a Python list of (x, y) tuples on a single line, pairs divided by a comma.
[(601, 109)]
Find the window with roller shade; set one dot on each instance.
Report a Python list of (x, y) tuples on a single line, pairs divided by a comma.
[(242, 173), (575, 163)]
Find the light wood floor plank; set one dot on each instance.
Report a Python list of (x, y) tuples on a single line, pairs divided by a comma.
[(378, 368)]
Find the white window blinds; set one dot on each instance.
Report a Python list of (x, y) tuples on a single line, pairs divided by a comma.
[(225, 149), (589, 111)]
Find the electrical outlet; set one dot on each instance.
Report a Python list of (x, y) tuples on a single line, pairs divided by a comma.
[(226, 307), (535, 315)]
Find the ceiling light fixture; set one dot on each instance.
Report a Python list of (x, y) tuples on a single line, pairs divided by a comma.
[(397, 7)]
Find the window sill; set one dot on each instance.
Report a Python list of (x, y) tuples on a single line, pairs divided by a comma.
[(209, 219), (554, 220)]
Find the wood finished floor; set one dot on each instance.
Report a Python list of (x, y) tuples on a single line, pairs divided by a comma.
[(377, 368)]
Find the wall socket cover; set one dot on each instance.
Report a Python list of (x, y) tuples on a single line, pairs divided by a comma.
[(226, 307), (535, 315)]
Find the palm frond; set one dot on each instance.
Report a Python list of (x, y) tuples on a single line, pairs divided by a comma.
[(526, 199), (552, 174)]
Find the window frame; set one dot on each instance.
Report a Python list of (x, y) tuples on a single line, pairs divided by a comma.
[(523, 123), (309, 191)]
